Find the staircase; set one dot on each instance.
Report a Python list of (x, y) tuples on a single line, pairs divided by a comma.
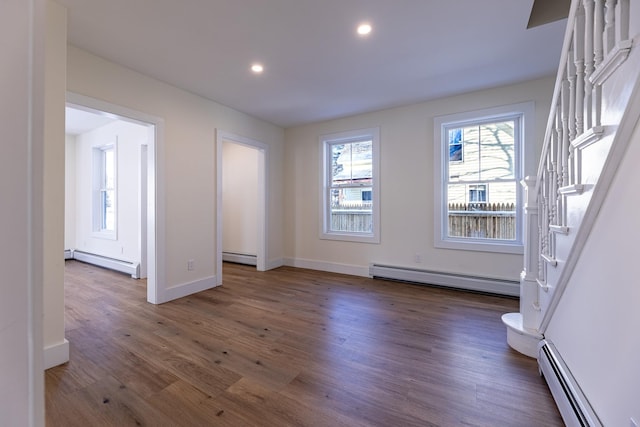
[(595, 107)]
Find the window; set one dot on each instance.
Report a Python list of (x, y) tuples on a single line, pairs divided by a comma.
[(479, 160), (350, 201), (478, 193), (104, 185)]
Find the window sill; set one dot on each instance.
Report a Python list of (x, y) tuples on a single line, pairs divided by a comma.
[(481, 246), (348, 237)]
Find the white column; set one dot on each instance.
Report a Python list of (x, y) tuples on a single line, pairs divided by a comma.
[(522, 334), (529, 306)]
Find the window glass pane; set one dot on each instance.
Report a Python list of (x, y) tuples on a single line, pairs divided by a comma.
[(109, 168), (108, 210), (468, 168), (455, 145), (352, 163), (351, 209), (485, 211), (497, 148), (502, 192), (478, 193)]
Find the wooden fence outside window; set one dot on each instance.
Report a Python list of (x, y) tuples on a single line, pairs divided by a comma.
[(473, 220), (483, 220)]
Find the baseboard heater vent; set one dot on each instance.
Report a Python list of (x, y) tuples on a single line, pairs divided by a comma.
[(68, 254), (239, 258), (571, 402), (132, 268), (452, 280)]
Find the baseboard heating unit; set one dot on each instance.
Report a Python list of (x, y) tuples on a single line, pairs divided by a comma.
[(239, 258), (132, 268), (571, 402), (452, 280)]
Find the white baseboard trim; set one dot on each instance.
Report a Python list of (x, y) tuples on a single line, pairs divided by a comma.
[(239, 258), (185, 289), (56, 354), (68, 254), (274, 263), (332, 267)]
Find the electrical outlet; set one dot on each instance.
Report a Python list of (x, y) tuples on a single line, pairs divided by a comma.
[(191, 265), (417, 258)]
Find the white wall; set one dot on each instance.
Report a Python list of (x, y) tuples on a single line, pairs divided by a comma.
[(407, 185), (70, 192), (128, 137), (186, 170), (595, 326), (56, 347), (22, 121), (240, 196)]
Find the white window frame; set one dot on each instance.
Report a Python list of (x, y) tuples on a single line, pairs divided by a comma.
[(326, 141), (524, 144), (98, 188)]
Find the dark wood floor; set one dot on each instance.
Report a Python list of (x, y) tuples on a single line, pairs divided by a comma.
[(290, 347)]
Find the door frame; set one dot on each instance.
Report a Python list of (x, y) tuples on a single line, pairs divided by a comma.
[(262, 214), (154, 229)]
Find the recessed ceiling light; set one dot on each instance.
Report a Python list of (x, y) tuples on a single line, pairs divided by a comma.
[(364, 29), (257, 68)]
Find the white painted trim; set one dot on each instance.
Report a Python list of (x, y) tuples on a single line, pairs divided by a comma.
[(263, 197), (616, 154), (524, 153), (551, 261), (588, 137), (186, 289), (38, 23), (331, 267), (68, 254), (56, 354), (570, 190), (559, 229), (325, 216), (611, 62), (275, 263), (155, 190)]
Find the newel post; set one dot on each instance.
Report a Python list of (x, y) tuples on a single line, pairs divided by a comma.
[(522, 334), (529, 306)]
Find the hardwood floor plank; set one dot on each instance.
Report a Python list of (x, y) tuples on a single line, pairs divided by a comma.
[(290, 347)]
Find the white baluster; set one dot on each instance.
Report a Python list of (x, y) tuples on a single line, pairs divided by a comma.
[(609, 28), (598, 32), (571, 98), (559, 170), (565, 132), (589, 63), (578, 61)]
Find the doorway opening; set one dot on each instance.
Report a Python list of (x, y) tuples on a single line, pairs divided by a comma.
[(132, 235), (241, 201)]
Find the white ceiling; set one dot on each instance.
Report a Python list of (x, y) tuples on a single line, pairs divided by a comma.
[(79, 121), (316, 67)]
